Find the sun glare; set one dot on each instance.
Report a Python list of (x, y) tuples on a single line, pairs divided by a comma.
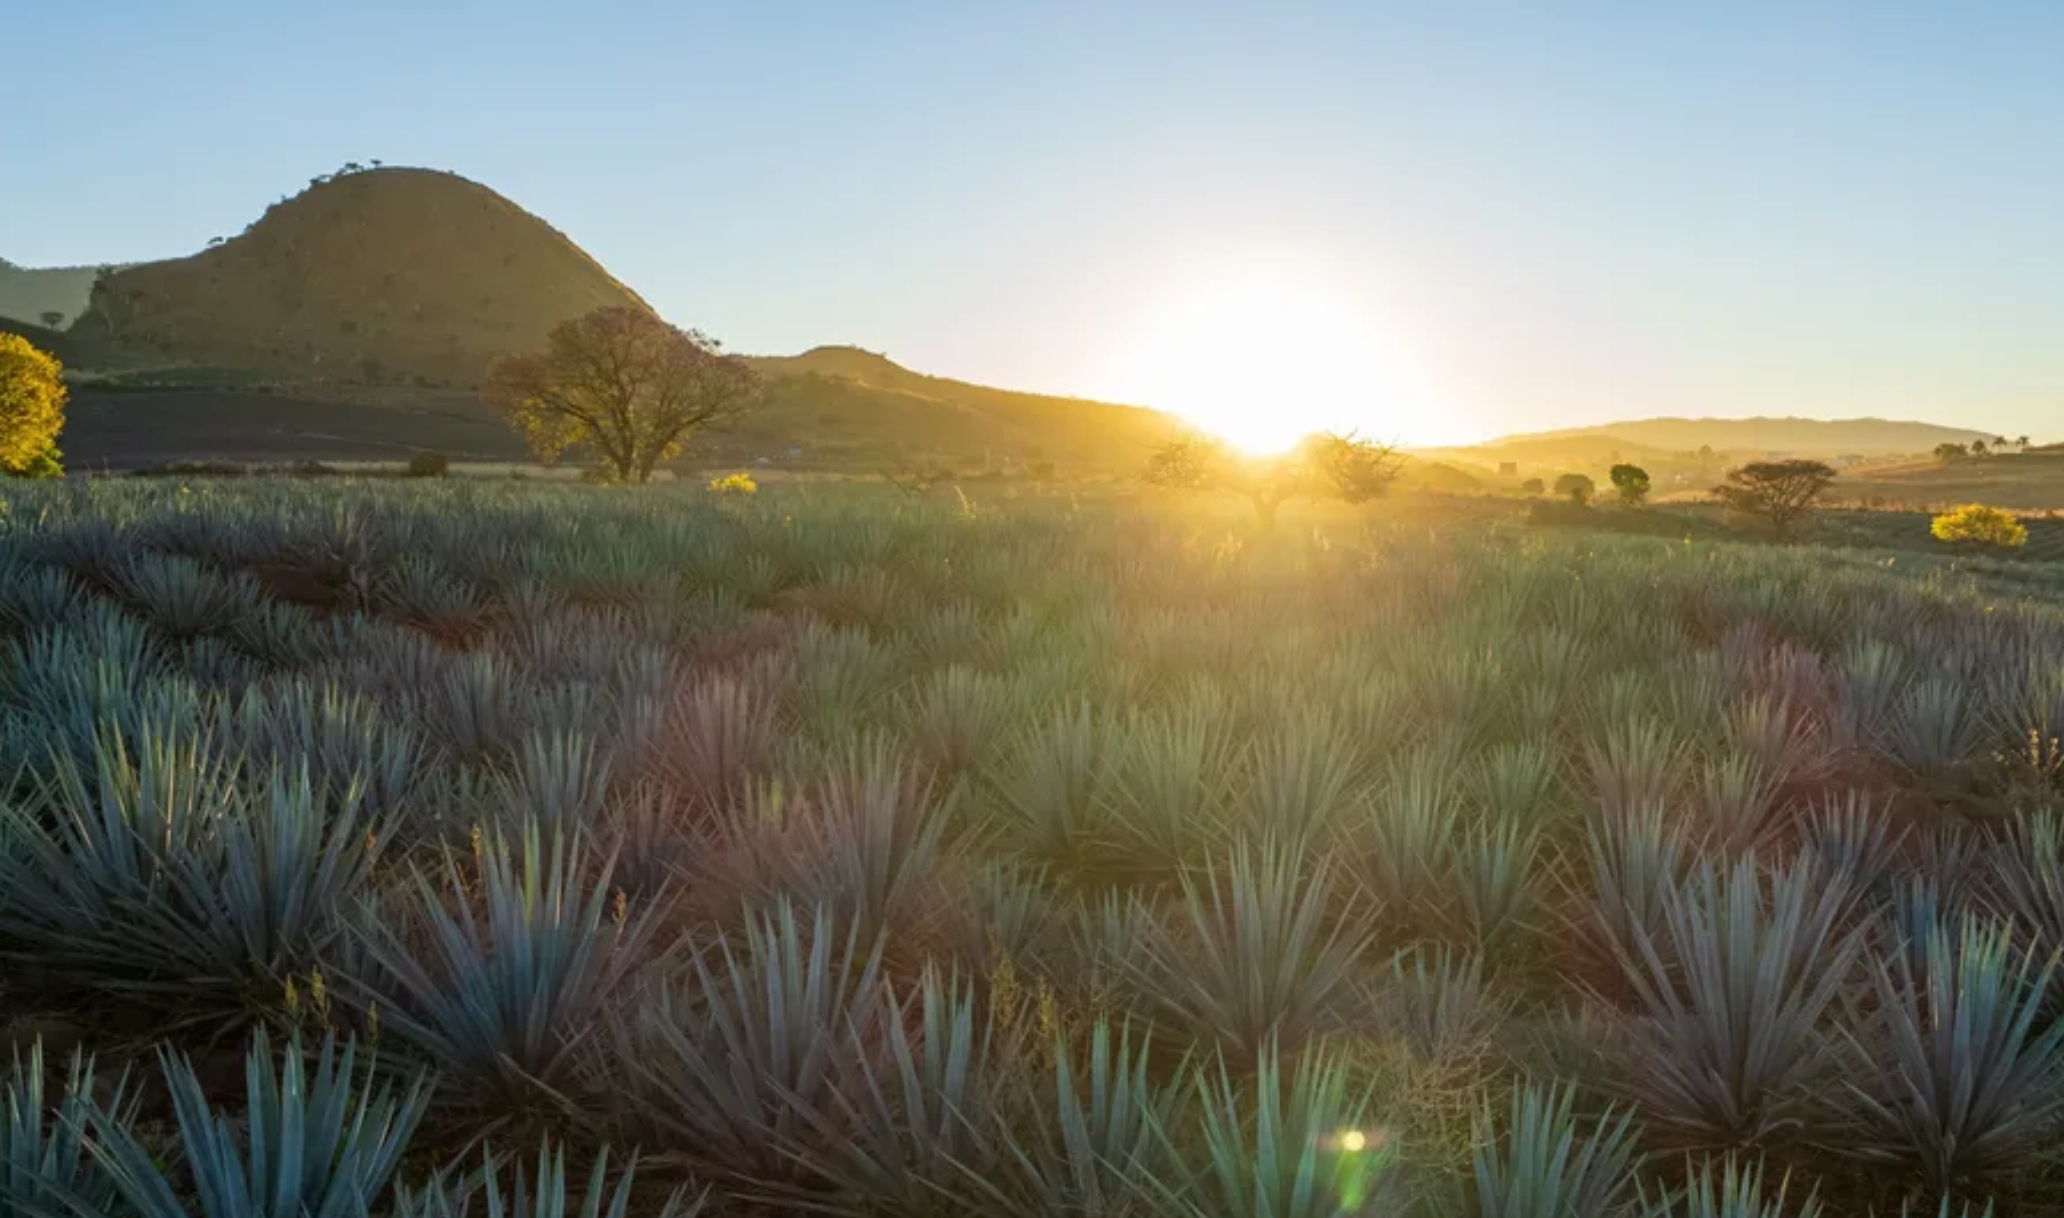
[(1264, 363)]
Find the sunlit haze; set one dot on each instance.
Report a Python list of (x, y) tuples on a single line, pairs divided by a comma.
[(1540, 215), (1265, 361)]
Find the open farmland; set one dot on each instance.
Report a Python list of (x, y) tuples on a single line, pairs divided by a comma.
[(841, 851)]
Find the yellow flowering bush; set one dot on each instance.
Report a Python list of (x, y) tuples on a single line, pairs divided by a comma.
[(734, 484), (32, 402), (1974, 524)]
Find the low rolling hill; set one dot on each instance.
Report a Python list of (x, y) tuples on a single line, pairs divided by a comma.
[(353, 321)]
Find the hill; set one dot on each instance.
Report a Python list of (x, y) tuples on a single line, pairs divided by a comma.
[(382, 276), (27, 294), (1802, 437), (833, 408)]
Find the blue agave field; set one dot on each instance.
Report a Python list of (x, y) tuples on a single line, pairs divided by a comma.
[(439, 849)]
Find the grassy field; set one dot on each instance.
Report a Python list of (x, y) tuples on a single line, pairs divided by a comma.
[(836, 851)]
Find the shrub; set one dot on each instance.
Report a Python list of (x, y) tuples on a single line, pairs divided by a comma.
[(1975, 526), (734, 484), (1577, 488), (32, 404), (428, 464), (1631, 483)]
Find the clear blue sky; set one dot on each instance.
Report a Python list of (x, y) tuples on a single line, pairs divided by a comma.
[(1561, 212)]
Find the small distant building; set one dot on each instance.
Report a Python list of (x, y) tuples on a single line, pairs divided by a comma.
[(1508, 469)]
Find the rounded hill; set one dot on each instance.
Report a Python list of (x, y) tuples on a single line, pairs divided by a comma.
[(375, 276)]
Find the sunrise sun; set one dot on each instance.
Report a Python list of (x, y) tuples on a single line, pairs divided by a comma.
[(1264, 362)]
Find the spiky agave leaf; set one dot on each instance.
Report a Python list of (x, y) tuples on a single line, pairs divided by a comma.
[(557, 779), (311, 1141), (1962, 1085), (1405, 854), (955, 718), (513, 970), (46, 1162), (729, 1062), (1092, 1140), (1164, 804), (872, 831), (1439, 1001), (1637, 765), (546, 1193), (1725, 1047), (919, 1101), (2030, 878), (1299, 777), (176, 874), (1494, 879), (1257, 954), (1550, 1162), (1049, 791), (1284, 1140), (1731, 1188)]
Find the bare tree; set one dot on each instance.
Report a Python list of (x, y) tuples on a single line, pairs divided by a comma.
[(624, 382)]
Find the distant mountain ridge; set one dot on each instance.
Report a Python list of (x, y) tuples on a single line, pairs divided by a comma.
[(1806, 437)]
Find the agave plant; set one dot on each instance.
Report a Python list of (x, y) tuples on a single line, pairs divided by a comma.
[(956, 718), (1163, 803), (519, 958), (918, 1103), (318, 1140), (716, 736), (172, 873), (1093, 1140), (557, 779), (1406, 855), (872, 831), (1293, 1139), (731, 1065), (1439, 1001), (1731, 1188), (1962, 1084), (1932, 728), (1494, 877), (1550, 1162), (184, 598), (1049, 793), (1726, 1046), (546, 1193), (46, 1159), (1638, 765), (1258, 955)]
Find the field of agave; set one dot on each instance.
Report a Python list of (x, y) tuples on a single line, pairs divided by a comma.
[(396, 849)]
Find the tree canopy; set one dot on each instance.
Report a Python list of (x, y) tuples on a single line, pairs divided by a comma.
[(623, 382), (1577, 488), (1777, 492), (32, 405), (1323, 466), (1631, 481)]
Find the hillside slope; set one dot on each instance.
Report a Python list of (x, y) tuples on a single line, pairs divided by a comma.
[(1805, 437), (381, 276)]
